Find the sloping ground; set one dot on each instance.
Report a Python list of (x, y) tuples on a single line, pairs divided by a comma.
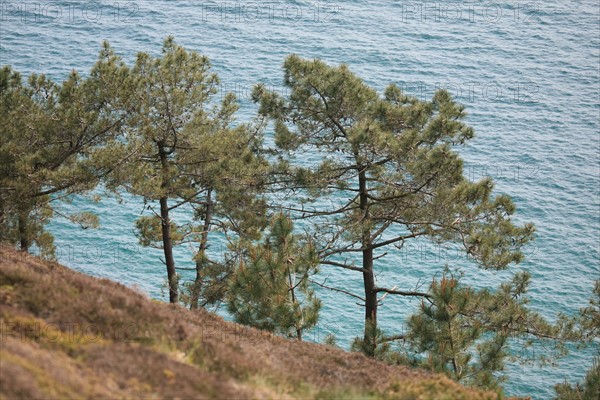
[(67, 335)]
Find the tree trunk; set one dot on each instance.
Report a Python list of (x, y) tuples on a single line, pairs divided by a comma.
[(23, 235), (201, 257), (166, 232), (368, 276), (294, 301), (168, 250), (370, 304), (299, 334)]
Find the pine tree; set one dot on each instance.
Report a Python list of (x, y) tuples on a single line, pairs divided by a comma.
[(56, 141), (389, 175), (589, 389), (227, 173), (172, 91), (270, 289), (590, 316), (469, 334), (184, 151), (589, 321)]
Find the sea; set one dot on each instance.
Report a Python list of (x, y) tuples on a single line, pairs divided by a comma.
[(527, 72)]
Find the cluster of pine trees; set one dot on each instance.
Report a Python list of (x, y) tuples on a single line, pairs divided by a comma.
[(387, 172)]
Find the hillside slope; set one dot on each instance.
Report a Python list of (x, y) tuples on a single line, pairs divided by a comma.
[(67, 335)]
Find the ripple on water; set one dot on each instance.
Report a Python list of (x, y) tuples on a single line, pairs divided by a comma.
[(538, 139)]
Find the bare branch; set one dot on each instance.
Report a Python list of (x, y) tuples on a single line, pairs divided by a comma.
[(342, 265), (403, 293), (336, 289), (393, 338)]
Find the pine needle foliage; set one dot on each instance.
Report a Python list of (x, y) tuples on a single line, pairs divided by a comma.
[(184, 151), (589, 389), (389, 174), (270, 289), (470, 334), (57, 140)]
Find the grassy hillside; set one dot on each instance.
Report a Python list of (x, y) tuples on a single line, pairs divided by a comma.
[(67, 335)]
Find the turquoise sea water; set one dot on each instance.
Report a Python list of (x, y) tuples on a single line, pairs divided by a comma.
[(528, 72)]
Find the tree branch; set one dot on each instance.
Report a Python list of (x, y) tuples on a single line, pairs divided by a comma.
[(336, 289), (403, 293), (342, 265)]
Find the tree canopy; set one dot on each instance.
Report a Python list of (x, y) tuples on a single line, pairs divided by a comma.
[(355, 177), (270, 288), (390, 172), (55, 142), (182, 150)]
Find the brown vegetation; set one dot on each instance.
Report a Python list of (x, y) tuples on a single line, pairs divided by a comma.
[(67, 335)]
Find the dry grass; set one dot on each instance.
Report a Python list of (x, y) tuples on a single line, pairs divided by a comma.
[(67, 335)]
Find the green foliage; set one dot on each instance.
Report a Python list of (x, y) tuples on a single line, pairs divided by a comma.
[(211, 284), (86, 220), (389, 173), (54, 143), (184, 151), (589, 389), (154, 130), (590, 316), (172, 92), (589, 324), (149, 232), (270, 288), (330, 340), (467, 334), (374, 339)]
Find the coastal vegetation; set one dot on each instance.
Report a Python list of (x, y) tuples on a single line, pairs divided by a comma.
[(67, 335), (386, 172)]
